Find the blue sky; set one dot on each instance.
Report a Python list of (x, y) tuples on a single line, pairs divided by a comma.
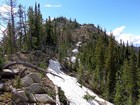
[(119, 16)]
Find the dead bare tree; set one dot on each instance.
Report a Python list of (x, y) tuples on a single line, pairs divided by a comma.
[(12, 6), (8, 17)]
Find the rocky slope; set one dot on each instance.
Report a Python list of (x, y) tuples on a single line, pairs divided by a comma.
[(26, 87), (26, 84)]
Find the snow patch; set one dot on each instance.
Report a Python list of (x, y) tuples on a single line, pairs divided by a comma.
[(73, 59), (75, 51), (7, 70), (72, 89), (78, 44)]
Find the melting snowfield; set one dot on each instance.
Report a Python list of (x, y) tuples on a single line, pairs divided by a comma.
[(73, 90)]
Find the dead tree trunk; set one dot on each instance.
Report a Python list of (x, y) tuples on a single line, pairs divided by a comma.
[(27, 64), (57, 96)]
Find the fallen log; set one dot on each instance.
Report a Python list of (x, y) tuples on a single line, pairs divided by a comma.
[(7, 75), (27, 64), (57, 96)]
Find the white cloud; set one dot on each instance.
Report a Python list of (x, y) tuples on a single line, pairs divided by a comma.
[(54, 6), (3, 8), (118, 30), (1, 31), (4, 11), (121, 35)]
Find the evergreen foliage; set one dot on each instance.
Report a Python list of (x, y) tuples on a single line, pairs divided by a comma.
[(1, 58)]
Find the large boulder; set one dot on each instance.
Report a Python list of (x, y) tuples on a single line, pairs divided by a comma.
[(33, 104), (31, 97), (36, 88), (1, 86), (30, 79), (35, 77), (19, 96), (27, 81), (44, 98)]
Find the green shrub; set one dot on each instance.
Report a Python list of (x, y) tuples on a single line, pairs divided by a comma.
[(1, 65), (42, 65), (62, 96), (17, 82), (51, 93), (89, 97), (1, 60)]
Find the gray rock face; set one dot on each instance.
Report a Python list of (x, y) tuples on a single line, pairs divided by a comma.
[(30, 79), (16, 71), (31, 97), (36, 88), (35, 77), (43, 98), (1, 86), (32, 92), (27, 81), (33, 104), (19, 96)]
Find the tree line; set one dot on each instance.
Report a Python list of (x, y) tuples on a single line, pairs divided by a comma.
[(110, 69), (27, 30)]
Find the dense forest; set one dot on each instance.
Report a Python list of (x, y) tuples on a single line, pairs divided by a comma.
[(109, 68)]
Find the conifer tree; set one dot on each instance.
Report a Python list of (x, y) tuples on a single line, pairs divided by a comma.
[(138, 76), (1, 58), (9, 40), (133, 65), (35, 28), (31, 28), (110, 70), (38, 26), (99, 59), (118, 98), (21, 24), (127, 83), (49, 32)]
